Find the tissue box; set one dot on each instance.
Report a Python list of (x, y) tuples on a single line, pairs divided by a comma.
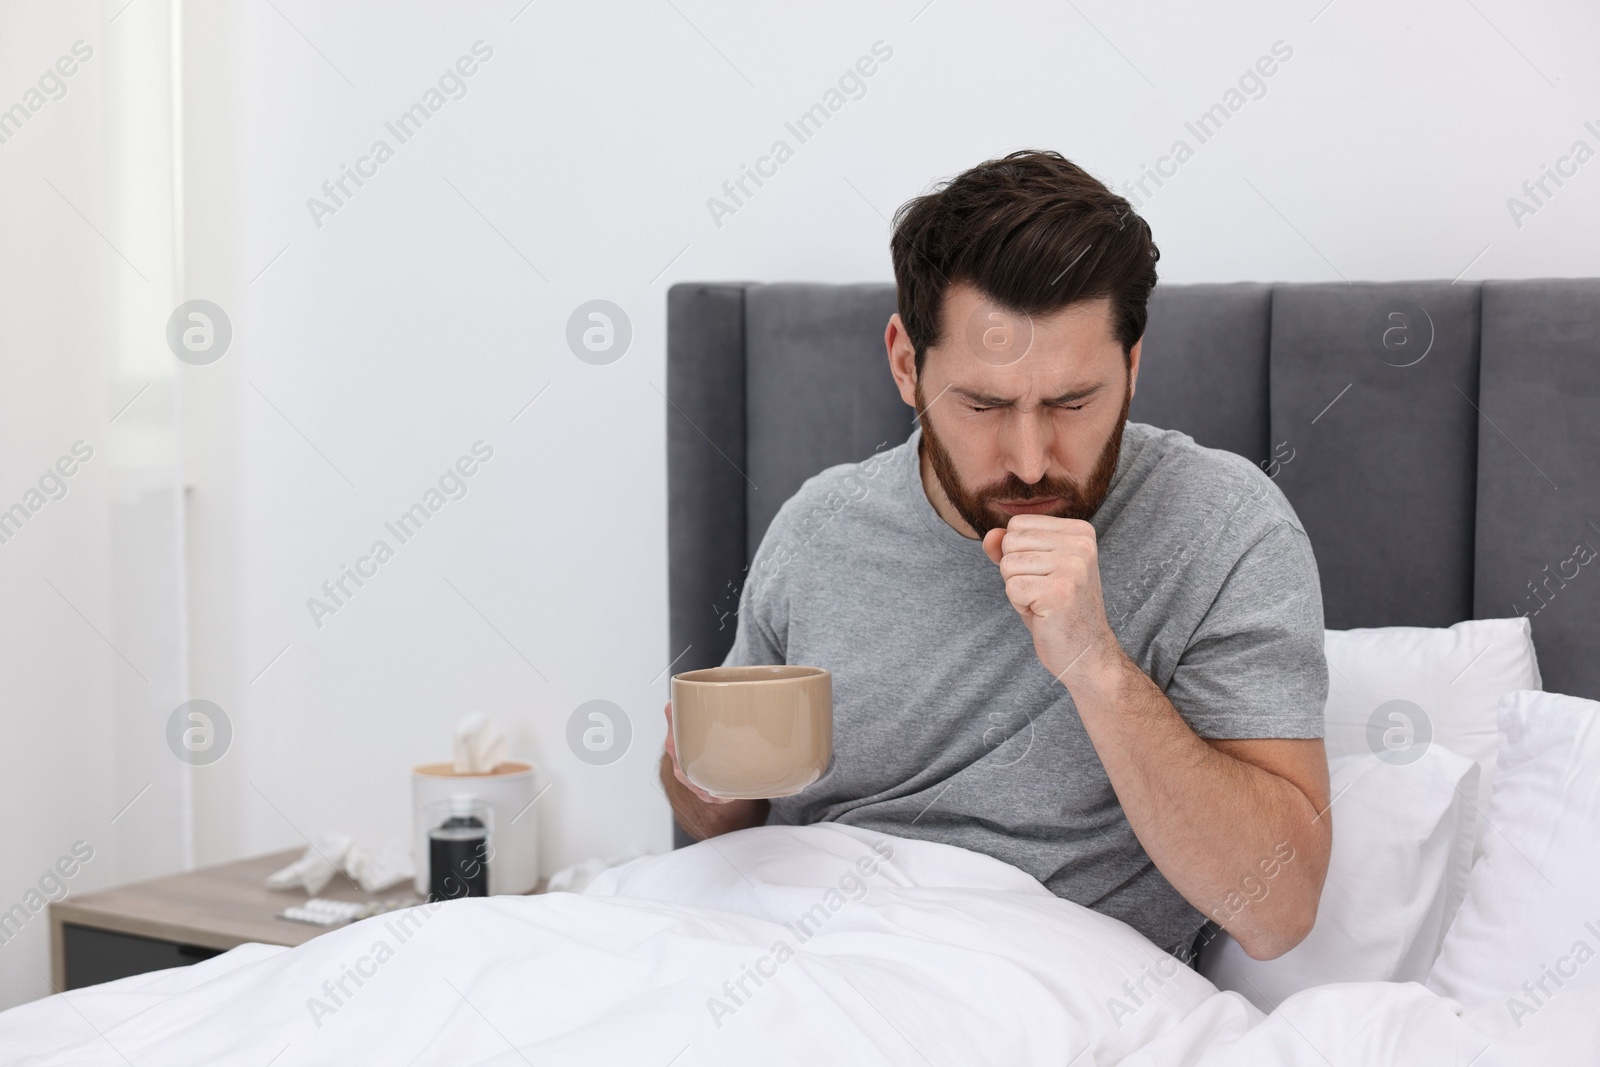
[(513, 837)]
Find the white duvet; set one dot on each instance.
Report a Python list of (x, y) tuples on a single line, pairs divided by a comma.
[(817, 945)]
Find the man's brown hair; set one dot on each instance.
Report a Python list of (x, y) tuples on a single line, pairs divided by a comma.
[(1034, 232)]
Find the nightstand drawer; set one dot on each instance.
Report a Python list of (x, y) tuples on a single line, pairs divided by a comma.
[(93, 956)]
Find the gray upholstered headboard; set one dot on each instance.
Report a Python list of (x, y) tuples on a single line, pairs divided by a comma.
[(1441, 442)]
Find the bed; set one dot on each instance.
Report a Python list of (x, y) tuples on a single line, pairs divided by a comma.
[(1444, 463), (943, 957)]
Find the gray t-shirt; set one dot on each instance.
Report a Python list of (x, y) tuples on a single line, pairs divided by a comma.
[(946, 725)]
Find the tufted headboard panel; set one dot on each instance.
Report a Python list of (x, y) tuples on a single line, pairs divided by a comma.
[(1441, 442)]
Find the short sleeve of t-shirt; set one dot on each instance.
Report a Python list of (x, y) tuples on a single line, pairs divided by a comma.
[(758, 639), (1255, 666)]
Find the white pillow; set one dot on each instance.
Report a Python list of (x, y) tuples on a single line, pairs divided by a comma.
[(1393, 688), (1524, 950), (1401, 835)]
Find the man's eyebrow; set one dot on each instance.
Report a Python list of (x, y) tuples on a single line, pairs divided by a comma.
[(988, 401)]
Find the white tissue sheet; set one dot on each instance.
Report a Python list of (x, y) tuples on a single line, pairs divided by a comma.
[(778, 945), (478, 747)]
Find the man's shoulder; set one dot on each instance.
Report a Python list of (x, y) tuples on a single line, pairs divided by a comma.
[(1174, 472), (853, 488)]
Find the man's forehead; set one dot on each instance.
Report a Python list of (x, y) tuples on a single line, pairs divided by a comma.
[(989, 349)]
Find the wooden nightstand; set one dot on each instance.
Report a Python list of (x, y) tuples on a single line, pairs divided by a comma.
[(182, 919)]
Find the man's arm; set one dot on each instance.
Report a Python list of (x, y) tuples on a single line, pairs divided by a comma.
[(699, 813), (1240, 828)]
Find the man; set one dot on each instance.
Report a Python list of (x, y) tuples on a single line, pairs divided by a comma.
[(1087, 647)]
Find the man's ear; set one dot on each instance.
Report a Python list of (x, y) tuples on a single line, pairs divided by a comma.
[(1133, 366), (902, 359)]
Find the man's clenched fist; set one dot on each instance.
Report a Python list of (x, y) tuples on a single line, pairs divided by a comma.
[(1052, 574)]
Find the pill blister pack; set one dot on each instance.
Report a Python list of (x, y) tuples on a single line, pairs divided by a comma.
[(319, 911)]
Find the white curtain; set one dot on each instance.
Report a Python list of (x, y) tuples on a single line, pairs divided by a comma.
[(91, 541)]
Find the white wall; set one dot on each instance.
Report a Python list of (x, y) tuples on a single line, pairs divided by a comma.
[(406, 327), (428, 310)]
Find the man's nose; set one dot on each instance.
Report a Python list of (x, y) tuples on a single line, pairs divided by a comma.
[(1027, 445)]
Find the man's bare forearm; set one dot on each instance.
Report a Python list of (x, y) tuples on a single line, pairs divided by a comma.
[(702, 820), (1246, 845)]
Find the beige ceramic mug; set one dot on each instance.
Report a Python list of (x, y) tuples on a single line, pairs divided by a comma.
[(749, 733)]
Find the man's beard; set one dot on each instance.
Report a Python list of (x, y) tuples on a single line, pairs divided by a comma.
[(1078, 500)]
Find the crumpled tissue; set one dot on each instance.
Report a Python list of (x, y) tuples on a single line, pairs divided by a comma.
[(373, 869), (479, 747)]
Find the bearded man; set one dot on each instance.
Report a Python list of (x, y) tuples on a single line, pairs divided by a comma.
[(1085, 646)]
